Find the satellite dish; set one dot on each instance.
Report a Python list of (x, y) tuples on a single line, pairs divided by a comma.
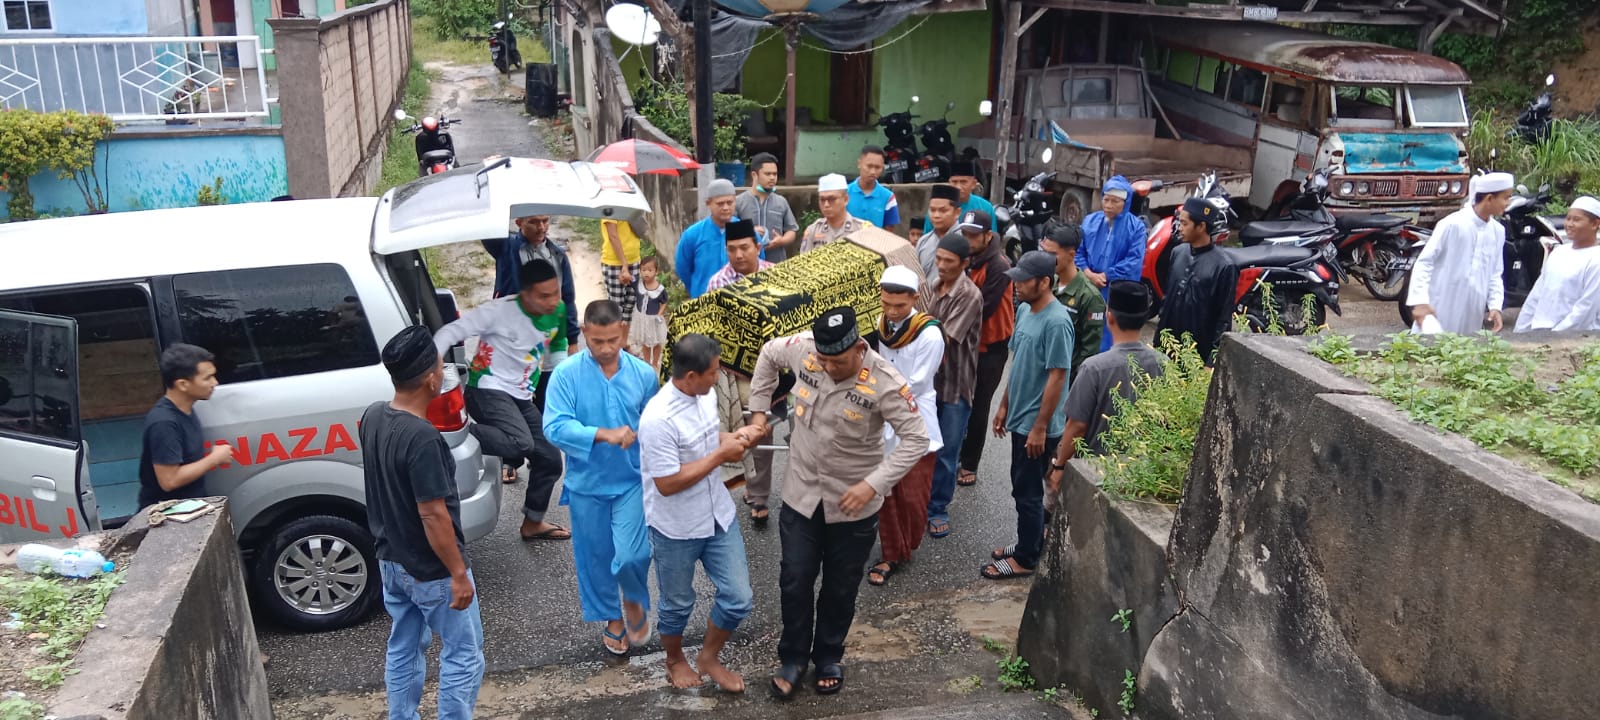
[(632, 24)]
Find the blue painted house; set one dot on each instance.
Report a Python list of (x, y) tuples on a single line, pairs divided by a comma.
[(187, 82)]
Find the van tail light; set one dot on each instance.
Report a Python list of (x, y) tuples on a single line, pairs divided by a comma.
[(448, 412)]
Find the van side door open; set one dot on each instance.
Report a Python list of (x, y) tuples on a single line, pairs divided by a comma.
[(44, 484)]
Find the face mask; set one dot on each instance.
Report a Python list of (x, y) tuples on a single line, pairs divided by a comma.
[(767, 190)]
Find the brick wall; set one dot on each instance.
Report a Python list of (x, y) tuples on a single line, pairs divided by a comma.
[(340, 78)]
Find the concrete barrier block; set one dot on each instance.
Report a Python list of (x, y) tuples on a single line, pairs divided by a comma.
[(178, 640), (1102, 556)]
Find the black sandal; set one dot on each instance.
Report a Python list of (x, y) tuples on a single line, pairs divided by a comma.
[(760, 521), (877, 576), (831, 671), (789, 674)]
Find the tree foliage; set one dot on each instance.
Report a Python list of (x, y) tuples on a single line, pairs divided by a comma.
[(64, 141)]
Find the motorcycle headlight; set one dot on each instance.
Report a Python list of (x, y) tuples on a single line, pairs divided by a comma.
[(1455, 188), (1363, 188), (1347, 187)]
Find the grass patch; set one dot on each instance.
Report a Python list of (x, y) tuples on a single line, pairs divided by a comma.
[(1540, 408), (1569, 160), (400, 158), (427, 46), (55, 614)]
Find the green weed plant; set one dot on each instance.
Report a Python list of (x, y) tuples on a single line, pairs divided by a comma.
[(62, 611), (1482, 388)]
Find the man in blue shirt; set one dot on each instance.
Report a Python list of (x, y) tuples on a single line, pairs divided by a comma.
[(1032, 411), (592, 414), (870, 200), (964, 176), (1113, 242), (532, 241), (701, 249)]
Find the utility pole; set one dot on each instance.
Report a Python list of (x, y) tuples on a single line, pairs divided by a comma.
[(704, 126)]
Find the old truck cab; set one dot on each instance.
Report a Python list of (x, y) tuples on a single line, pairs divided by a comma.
[(1387, 121)]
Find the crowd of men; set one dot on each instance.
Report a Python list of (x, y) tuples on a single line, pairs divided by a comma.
[(883, 429)]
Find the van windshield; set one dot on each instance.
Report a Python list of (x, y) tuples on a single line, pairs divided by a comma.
[(1436, 106), (1364, 106)]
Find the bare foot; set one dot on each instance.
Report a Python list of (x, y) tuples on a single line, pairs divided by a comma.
[(682, 675), (728, 680)]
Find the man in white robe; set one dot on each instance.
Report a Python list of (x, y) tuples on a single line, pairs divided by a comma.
[(1567, 295), (1457, 279)]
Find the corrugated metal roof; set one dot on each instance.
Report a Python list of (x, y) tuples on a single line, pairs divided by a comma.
[(1310, 54)]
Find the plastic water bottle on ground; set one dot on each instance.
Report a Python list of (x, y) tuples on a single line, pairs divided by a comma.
[(71, 562)]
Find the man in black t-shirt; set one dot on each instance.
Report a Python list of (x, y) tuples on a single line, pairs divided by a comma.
[(415, 517), (174, 460)]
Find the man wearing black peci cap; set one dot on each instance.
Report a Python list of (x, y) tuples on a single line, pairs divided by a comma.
[(964, 177), (744, 255), (942, 213), (415, 517), (1109, 374), (1201, 283), (844, 394), (733, 391)]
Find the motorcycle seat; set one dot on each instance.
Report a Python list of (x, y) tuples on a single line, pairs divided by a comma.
[(1257, 232), (1269, 255), (433, 156), (1377, 221)]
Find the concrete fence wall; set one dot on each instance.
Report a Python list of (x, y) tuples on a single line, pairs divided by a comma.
[(340, 79)]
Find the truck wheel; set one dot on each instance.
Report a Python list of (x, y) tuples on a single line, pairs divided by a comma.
[(1074, 206), (318, 573)]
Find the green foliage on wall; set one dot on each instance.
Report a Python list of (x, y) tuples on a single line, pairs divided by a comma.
[(666, 106), (64, 141)]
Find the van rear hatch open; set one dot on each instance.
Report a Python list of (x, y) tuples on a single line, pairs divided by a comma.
[(477, 202)]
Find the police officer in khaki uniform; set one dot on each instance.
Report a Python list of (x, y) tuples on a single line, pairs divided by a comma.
[(843, 395)]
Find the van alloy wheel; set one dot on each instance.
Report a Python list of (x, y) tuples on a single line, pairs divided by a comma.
[(320, 574)]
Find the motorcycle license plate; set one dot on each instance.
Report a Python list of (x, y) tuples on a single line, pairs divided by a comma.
[(1401, 264), (895, 166), (926, 174)]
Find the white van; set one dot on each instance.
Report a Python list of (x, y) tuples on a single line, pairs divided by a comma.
[(295, 299)]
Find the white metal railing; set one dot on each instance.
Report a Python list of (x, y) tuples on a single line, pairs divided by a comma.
[(138, 78)]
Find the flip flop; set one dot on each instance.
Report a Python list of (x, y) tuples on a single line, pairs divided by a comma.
[(831, 671), (966, 478), (508, 474), (789, 674), (760, 521), (556, 532), (641, 629), (1002, 570), (877, 576), (620, 637), (938, 529)]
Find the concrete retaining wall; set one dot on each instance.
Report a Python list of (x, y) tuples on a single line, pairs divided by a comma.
[(1334, 560), (178, 640)]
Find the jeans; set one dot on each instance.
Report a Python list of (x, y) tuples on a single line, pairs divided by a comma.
[(991, 366), (420, 609), (722, 555), (953, 418), (815, 623), (1027, 491), (611, 552), (514, 430)]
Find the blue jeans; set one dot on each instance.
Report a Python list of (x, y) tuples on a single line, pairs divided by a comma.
[(420, 609), (722, 555), (953, 418)]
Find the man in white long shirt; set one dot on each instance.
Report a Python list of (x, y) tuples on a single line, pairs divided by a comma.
[(1567, 295), (505, 369), (913, 342), (1457, 279)]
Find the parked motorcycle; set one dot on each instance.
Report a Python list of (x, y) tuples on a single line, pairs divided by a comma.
[(1529, 239), (1372, 247), (1533, 123), (1029, 216), (503, 50), (436, 152), (900, 150), (938, 150), (1292, 270)]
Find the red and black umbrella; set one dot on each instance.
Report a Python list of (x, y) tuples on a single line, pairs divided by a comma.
[(642, 157)]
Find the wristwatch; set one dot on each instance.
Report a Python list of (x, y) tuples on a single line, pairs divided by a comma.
[(1055, 465)]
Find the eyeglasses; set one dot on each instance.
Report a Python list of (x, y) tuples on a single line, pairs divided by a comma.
[(825, 200)]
